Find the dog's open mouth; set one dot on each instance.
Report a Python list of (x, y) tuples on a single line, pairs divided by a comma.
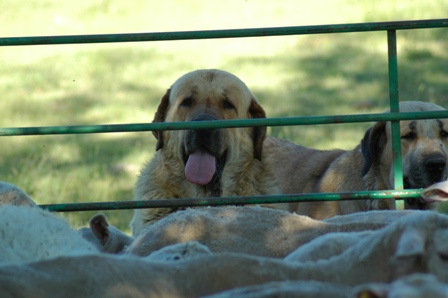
[(201, 166)]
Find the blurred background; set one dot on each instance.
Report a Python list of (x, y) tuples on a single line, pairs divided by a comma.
[(123, 83)]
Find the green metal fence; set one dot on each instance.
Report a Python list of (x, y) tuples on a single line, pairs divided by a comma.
[(394, 116)]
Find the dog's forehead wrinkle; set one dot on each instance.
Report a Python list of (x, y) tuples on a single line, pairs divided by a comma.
[(209, 76), (424, 128), (225, 95), (432, 129)]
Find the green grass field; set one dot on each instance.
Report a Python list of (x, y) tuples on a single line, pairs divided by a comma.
[(123, 83)]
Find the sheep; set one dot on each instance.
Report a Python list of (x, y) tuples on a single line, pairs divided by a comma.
[(105, 237), (415, 243), (252, 230), (333, 244), (30, 234), (12, 195), (109, 239)]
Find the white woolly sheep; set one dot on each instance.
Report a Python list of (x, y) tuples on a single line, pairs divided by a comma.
[(30, 234), (109, 239), (333, 244), (252, 230), (415, 243), (105, 237)]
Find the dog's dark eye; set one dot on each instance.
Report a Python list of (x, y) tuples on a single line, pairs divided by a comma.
[(409, 136), (444, 134), (187, 102), (228, 105)]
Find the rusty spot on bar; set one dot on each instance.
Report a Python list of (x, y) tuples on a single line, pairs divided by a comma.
[(338, 119)]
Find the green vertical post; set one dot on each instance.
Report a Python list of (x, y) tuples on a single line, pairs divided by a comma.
[(394, 108)]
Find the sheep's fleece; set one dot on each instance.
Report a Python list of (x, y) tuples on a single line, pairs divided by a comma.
[(32, 234), (411, 250)]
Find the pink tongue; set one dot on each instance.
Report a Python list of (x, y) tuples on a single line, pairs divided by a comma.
[(200, 168)]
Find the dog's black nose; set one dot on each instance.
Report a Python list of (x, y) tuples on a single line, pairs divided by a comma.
[(204, 132), (202, 117), (435, 166)]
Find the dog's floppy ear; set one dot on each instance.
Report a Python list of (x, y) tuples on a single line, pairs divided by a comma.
[(258, 133), (372, 145), (160, 117)]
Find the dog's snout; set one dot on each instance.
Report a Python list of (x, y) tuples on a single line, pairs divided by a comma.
[(207, 138), (435, 166), (203, 117), (204, 132)]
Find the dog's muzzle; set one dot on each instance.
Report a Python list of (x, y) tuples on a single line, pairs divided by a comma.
[(435, 166), (203, 158), (432, 170)]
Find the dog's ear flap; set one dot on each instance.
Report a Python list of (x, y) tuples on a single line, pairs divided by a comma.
[(160, 117), (258, 133), (372, 145)]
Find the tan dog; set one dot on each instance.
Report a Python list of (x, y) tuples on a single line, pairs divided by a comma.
[(367, 167), (207, 162)]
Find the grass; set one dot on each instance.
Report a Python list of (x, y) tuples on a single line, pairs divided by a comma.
[(123, 83)]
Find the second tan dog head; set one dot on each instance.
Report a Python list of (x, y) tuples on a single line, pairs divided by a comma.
[(424, 150)]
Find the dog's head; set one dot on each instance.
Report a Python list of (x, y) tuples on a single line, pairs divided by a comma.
[(424, 150), (204, 95)]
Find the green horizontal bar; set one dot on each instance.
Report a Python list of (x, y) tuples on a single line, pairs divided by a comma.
[(232, 33), (237, 200), (304, 120)]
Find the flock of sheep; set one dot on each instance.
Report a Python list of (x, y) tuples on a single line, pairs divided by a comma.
[(223, 252)]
